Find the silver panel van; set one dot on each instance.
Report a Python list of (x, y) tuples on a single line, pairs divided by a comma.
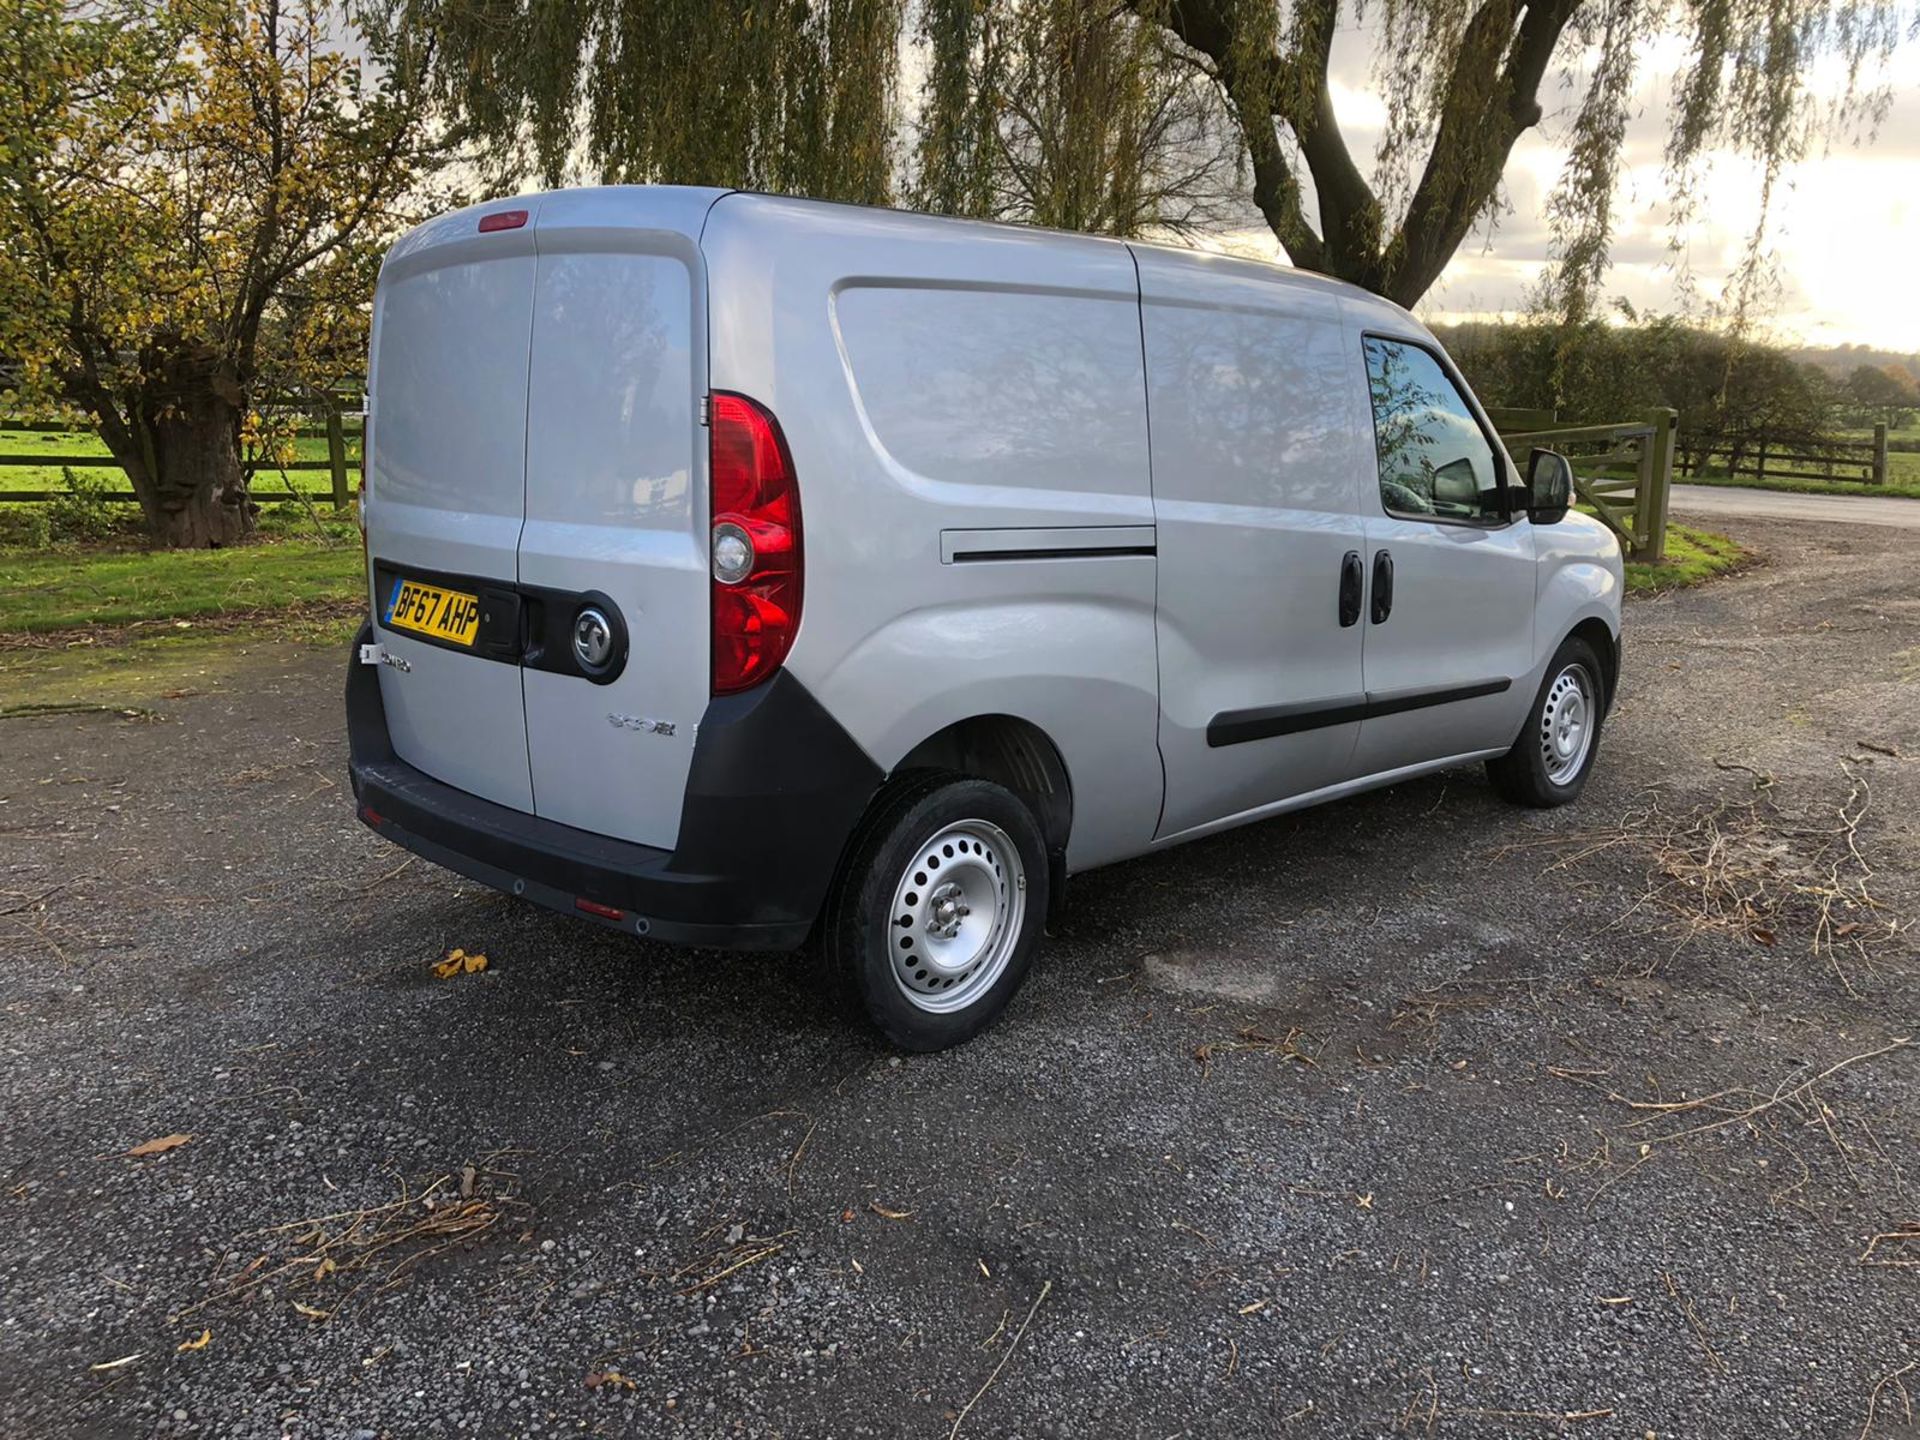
[(744, 570)]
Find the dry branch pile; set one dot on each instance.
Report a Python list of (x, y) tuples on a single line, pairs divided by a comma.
[(335, 1256), (1752, 869)]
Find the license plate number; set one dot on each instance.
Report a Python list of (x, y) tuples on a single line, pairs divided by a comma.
[(450, 615)]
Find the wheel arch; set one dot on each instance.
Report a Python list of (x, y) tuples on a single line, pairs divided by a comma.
[(1009, 751), (1597, 633)]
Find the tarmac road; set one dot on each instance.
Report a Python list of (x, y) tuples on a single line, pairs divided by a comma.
[(1730, 500), (1416, 1114)]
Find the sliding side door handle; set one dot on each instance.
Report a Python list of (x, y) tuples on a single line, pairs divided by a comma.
[(1350, 587), (1382, 586)]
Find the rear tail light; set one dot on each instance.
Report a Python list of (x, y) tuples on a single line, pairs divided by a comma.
[(754, 552)]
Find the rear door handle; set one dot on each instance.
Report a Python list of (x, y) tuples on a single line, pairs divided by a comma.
[(1350, 588), (1382, 586)]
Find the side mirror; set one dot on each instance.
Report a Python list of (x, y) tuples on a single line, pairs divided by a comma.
[(1455, 484), (1549, 487)]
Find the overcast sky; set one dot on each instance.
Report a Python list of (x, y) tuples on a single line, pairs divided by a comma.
[(1845, 225)]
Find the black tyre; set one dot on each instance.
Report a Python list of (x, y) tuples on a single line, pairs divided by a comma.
[(1551, 760), (934, 920)]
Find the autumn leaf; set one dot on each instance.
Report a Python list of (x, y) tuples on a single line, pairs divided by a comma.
[(885, 1214), (160, 1146), (325, 1268), (458, 962), (199, 1342), (598, 1378)]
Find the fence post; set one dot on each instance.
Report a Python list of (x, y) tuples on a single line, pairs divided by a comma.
[(337, 453), (1880, 453), (1657, 482)]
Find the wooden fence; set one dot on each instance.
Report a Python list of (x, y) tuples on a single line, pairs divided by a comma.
[(1762, 457), (338, 426), (1623, 472), (1628, 467)]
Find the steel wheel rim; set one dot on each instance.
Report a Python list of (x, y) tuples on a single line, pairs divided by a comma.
[(956, 917), (1566, 724)]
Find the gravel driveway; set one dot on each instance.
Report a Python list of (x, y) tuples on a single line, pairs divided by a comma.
[(1416, 1114)]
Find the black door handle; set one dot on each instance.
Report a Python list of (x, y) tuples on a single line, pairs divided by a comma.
[(1350, 588), (1382, 586)]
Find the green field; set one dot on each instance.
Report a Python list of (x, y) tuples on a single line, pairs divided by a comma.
[(84, 452)]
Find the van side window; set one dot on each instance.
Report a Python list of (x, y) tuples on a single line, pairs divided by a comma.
[(1435, 461)]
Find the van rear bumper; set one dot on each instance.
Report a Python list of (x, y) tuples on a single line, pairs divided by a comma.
[(774, 792)]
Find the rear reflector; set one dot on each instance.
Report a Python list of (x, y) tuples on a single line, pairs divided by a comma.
[(372, 816), (594, 907), (502, 220), (755, 545)]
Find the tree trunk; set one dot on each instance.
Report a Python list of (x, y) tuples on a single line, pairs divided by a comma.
[(187, 422), (200, 490)]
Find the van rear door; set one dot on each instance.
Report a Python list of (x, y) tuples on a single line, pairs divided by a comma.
[(446, 492), (616, 506)]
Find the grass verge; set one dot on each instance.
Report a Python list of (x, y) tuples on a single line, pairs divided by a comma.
[(1692, 556), (73, 589)]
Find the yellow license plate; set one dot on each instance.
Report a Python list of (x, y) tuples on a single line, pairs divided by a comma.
[(450, 615)]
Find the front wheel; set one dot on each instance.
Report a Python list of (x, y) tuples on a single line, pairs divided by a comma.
[(1551, 760), (934, 922)]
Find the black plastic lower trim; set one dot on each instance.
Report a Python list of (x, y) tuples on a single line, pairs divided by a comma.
[(1237, 727), (774, 792)]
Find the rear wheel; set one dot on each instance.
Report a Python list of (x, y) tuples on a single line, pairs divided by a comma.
[(1551, 760), (934, 922)]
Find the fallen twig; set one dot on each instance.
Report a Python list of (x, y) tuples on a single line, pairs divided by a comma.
[(1693, 1319), (1782, 1092), (42, 896), (1012, 1345), (1892, 1378), (1286, 1047), (1903, 1247)]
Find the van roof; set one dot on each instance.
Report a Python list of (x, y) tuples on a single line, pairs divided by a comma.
[(689, 204), (1247, 265)]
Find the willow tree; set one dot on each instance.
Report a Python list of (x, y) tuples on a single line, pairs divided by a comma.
[(1464, 79), (795, 96), (1072, 114), (1128, 115)]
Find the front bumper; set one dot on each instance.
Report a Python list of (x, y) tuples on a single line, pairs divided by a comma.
[(774, 792)]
